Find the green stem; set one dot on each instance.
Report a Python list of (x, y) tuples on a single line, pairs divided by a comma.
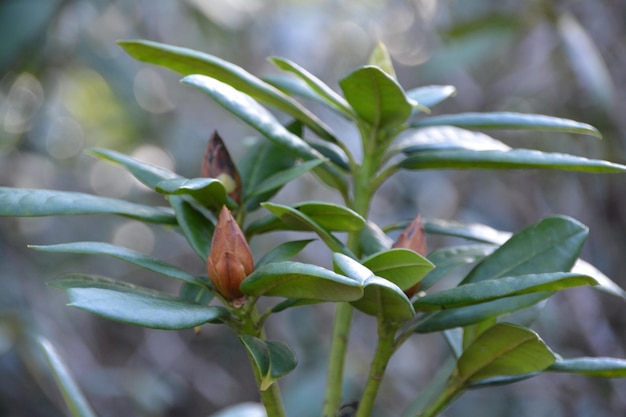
[(440, 403), (384, 350)]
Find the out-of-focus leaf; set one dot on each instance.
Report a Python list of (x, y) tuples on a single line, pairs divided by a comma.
[(552, 245), (128, 255), (279, 179), (272, 360), (283, 252), (196, 228), (299, 280), (605, 284), (501, 287), (448, 259), (242, 410), (150, 175), (403, 267), (374, 239), (430, 95), (446, 137), (380, 58), (599, 367), (317, 85), (26, 202), (472, 231), (195, 293), (508, 120), (334, 153), (207, 191), (513, 159), (72, 394), (376, 97), (503, 350), (187, 61)]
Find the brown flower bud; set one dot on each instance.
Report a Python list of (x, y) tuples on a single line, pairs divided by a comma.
[(218, 164), (230, 260), (414, 238)]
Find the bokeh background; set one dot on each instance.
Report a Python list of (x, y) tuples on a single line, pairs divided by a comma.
[(65, 86)]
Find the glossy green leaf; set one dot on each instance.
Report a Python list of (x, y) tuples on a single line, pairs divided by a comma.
[(492, 289), (381, 58), (503, 350), (403, 267), (283, 252), (373, 239), (349, 267), (605, 284), (195, 293), (431, 95), (464, 316), (187, 61), (271, 359), (299, 280), (334, 153), (73, 396), (148, 174), (507, 120), (317, 85), (255, 115), (293, 302), (513, 159), (209, 192), (448, 259), (196, 228), (598, 367), (552, 245), (293, 86), (136, 305), (278, 180), (262, 160), (376, 97), (445, 138), (128, 255), (24, 202), (472, 231), (382, 298)]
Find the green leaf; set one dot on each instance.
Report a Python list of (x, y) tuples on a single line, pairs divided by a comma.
[(318, 86), (24, 202), (255, 115), (131, 304), (281, 178), (283, 252), (448, 259), (598, 367), (262, 160), (376, 97), (403, 267), (248, 409), (271, 359), (128, 255), (72, 394), (445, 138), (605, 284), (464, 316), (334, 153), (187, 61), (373, 239), (472, 231), (195, 293), (380, 58), (513, 159), (299, 280), (503, 350), (148, 174), (431, 95), (507, 120), (196, 228), (497, 288), (209, 192), (295, 87), (552, 245)]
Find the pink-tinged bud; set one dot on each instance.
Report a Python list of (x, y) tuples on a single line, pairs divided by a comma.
[(230, 260), (218, 164), (414, 238)]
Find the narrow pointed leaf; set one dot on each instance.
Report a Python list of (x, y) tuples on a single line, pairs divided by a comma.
[(448, 259), (502, 287), (376, 97), (317, 85), (513, 159), (381, 58), (187, 61), (128, 255), (403, 267), (598, 367), (295, 87), (278, 180), (503, 350), (209, 192), (605, 284), (24, 202), (552, 245), (283, 252), (299, 280), (73, 396), (472, 231), (196, 228), (431, 95), (446, 138), (508, 120)]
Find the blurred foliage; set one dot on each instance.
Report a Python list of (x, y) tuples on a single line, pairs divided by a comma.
[(66, 86)]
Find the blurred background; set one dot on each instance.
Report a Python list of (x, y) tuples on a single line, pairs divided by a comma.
[(65, 86)]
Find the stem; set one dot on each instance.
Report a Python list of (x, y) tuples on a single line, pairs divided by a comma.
[(270, 398), (384, 350), (440, 403), (426, 401)]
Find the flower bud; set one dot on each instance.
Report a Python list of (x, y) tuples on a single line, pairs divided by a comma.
[(218, 164), (230, 260), (414, 238)]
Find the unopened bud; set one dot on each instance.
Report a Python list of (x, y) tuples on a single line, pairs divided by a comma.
[(218, 164), (414, 238), (230, 260)]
